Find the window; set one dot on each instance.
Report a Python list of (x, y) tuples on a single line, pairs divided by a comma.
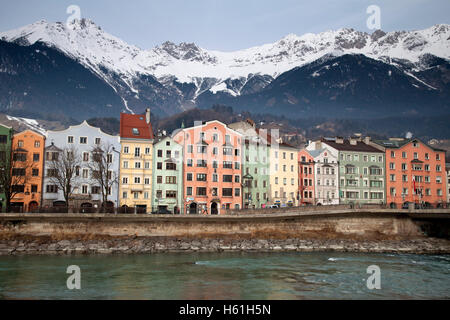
[(171, 194), (404, 166), (237, 192), (159, 179), (124, 180), (85, 156), (227, 178), (201, 176), (20, 143), (85, 173), (159, 165), (137, 180), (51, 188), (124, 195), (146, 195), (392, 154), (404, 155), (160, 153), (189, 191), (201, 163), (189, 176), (137, 152), (35, 172), (95, 190), (97, 140), (84, 189), (34, 188), (137, 165), (190, 148), (215, 177), (201, 191), (18, 172), (438, 156), (21, 157), (136, 195), (237, 179), (236, 152), (147, 150), (126, 149), (168, 153), (227, 151), (83, 140), (392, 165), (70, 139), (438, 168), (228, 165), (171, 180), (227, 192), (125, 164), (147, 181), (201, 149), (189, 162), (171, 166), (237, 166), (135, 131)]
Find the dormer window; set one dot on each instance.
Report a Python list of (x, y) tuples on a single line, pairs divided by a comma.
[(136, 131)]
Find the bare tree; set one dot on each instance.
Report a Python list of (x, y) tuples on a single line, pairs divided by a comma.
[(63, 167), (102, 169), (16, 169)]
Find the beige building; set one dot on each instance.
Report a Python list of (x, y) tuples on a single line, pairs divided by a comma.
[(283, 175), (136, 161)]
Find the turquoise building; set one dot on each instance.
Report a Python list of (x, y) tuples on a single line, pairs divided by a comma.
[(6, 134), (167, 178), (255, 165)]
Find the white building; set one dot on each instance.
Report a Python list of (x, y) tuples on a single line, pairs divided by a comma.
[(84, 138)]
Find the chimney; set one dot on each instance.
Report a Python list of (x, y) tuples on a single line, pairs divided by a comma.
[(318, 145), (353, 141), (339, 140), (367, 140), (147, 115)]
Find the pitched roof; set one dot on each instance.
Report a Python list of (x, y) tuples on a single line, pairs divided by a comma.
[(347, 146), (400, 143), (134, 126)]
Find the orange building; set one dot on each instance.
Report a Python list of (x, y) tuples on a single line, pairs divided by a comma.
[(212, 167), (306, 177), (27, 166), (415, 172)]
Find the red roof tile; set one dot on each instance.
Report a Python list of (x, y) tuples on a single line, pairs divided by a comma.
[(128, 122)]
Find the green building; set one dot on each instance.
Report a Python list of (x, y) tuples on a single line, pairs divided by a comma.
[(361, 171), (255, 165), (167, 178), (6, 134)]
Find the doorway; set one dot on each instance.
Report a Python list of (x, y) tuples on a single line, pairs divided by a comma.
[(214, 208)]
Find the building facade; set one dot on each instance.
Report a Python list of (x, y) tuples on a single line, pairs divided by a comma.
[(306, 177), (82, 140), (28, 160), (283, 174), (167, 190), (212, 167), (6, 134), (255, 165), (447, 169), (136, 161), (415, 172), (326, 177), (361, 170)]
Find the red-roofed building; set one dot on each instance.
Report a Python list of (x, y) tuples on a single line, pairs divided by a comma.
[(136, 161)]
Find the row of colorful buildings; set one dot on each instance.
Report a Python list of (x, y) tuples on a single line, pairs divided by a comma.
[(212, 167)]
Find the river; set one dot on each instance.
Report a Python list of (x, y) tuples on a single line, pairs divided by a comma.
[(317, 275)]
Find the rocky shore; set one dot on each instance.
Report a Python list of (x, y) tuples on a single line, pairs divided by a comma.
[(138, 245)]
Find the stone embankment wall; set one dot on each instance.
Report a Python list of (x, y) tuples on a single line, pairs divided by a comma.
[(366, 224)]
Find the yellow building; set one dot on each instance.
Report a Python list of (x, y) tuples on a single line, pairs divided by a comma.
[(136, 161), (283, 175)]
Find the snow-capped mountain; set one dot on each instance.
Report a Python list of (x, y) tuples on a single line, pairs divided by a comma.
[(172, 77)]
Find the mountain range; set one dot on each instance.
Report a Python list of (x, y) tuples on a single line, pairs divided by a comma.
[(52, 70)]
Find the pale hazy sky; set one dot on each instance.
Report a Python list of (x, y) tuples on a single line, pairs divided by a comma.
[(226, 24)]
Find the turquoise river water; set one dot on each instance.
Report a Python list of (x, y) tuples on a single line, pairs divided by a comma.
[(318, 275)]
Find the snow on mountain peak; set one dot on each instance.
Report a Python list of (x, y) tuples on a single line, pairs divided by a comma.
[(187, 62)]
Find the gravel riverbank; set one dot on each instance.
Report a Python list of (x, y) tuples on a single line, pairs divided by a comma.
[(136, 245)]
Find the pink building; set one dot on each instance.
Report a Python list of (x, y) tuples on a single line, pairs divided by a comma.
[(211, 168)]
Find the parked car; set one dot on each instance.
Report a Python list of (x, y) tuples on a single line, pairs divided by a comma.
[(407, 204), (274, 206), (162, 211)]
